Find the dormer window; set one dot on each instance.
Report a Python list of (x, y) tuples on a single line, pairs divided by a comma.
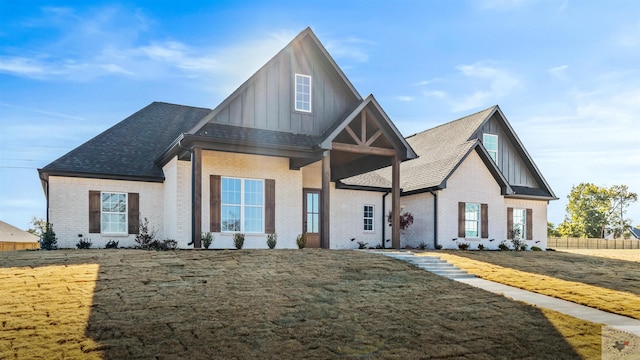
[(490, 142), (303, 93)]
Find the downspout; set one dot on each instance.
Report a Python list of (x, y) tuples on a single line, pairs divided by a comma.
[(193, 193), (384, 196), (435, 218)]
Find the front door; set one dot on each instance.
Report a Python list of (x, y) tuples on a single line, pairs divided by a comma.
[(311, 217)]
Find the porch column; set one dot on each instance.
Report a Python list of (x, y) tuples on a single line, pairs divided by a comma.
[(196, 203), (395, 203), (325, 207)]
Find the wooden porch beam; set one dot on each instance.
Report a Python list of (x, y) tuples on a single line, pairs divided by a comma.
[(325, 207), (361, 149), (196, 163), (374, 137), (363, 127), (353, 135), (395, 203)]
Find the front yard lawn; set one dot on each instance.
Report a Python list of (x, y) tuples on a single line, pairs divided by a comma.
[(268, 304)]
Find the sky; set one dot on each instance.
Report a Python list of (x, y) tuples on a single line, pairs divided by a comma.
[(565, 73)]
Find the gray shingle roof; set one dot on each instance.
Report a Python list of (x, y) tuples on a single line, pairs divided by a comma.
[(130, 148), (256, 136), (440, 150)]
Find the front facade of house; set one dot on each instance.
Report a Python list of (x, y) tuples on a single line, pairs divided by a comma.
[(295, 149), (266, 160)]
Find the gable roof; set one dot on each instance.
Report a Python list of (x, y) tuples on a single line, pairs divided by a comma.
[(443, 148), (10, 233), (635, 232), (129, 149), (303, 35)]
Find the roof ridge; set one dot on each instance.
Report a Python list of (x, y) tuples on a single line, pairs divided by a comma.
[(453, 121)]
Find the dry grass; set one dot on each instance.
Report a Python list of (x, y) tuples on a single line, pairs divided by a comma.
[(627, 255), (315, 304), (615, 288)]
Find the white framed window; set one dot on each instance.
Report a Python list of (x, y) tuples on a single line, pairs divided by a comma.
[(113, 213), (490, 142), (519, 224), (368, 214), (302, 99), (472, 220), (242, 205)]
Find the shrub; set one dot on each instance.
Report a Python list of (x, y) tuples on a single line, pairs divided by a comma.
[(238, 240), (111, 244), (550, 249), (519, 244), (503, 246), (272, 240), (362, 245), (422, 246), (480, 247), (48, 239), (164, 245), (84, 244), (301, 241), (207, 239), (438, 246), (379, 246), (535, 248), (145, 236), (463, 246), (406, 220)]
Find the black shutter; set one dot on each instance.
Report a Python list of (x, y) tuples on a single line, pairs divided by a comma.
[(133, 212), (94, 212)]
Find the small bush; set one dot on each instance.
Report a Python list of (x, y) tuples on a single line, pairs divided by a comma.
[(48, 239), (207, 239), (111, 244), (361, 244), (238, 240), (301, 241), (272, 240), (84, 244), (164, 245), (438, 246), (463, 246), (422, 246), (379, 246), (480, 247), (550, 249), (535, 248), (145, 235), (503, 246)]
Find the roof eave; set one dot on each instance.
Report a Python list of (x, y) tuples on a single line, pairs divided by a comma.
[(45, 174)]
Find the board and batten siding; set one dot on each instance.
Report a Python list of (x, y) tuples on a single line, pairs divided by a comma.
[(266, 100), (509, 160)]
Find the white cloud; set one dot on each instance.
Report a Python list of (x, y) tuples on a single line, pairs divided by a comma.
[(404, 98), (21, 66), (350, 48), (490, 81)]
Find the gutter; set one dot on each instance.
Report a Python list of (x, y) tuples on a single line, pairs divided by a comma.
[(193, 193), (384, 196)]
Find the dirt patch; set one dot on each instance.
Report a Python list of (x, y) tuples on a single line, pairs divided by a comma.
[(627, 255), (312, 304)]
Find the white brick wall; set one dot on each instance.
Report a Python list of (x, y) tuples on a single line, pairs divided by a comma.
[(421, 207), (539, 209), (69, 208), (177, 201)]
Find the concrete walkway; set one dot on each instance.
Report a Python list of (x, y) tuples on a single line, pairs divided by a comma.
[(566, 307)]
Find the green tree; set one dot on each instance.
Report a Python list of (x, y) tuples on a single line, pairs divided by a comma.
[(587, 212), (552, 231), (595, 211), (38, 226), (620, 198)]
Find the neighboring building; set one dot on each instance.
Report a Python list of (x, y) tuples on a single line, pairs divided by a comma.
[(13, 238), (473, 182), (297, 149), (634, 232)]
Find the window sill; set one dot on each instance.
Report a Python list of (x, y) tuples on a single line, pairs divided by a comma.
[(115, 234)]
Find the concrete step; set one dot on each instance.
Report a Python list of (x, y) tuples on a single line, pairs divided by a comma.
[(432, 264)]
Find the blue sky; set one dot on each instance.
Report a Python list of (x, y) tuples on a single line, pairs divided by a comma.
[(565, 73)]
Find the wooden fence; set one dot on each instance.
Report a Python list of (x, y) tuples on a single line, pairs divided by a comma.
[(579, 243), (11, 246)]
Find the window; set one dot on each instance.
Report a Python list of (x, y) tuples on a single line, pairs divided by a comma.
[(490, 142), (242, 205), (113, 213), (519, 224), (472, 220), (303, 93), (368, 218)]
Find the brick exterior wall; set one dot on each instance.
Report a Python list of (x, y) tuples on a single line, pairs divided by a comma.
[(69, 208)]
